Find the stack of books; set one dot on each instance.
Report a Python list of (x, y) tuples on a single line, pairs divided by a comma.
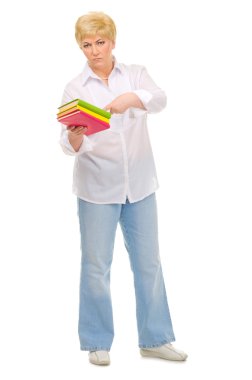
[(80, 113)]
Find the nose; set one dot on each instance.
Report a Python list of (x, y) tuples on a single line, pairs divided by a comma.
[(95, 50)]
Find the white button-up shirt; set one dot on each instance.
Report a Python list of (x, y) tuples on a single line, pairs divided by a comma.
[(117, 163)]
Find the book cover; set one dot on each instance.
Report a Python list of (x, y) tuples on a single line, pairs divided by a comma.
[(77, 107), (79, 118), (86, 105)]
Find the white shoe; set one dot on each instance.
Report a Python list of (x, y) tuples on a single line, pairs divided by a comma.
[(99, 357), (167, 351)]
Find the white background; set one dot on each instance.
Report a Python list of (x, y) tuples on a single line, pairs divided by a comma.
[(199, 52)]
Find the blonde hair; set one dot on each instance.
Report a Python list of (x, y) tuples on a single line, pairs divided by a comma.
[(95, 23)]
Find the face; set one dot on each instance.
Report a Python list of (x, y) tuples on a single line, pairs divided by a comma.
[(98, 51)]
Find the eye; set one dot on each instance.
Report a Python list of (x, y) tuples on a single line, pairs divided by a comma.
[(85, 46), (100, 43)]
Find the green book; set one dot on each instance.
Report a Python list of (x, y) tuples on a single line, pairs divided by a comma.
[(86, 105)]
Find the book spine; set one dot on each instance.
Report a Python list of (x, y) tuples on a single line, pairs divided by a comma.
[(68, 105), (72, 109)]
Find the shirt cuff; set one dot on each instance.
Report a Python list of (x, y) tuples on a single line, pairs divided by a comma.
[(144, 96)]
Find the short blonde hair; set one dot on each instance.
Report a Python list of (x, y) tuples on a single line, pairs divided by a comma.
[(95, 23)]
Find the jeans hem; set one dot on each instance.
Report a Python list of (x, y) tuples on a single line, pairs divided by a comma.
[(95, 348), (157, 344)]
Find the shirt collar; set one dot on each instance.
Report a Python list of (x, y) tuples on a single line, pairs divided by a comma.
[(88, 73)]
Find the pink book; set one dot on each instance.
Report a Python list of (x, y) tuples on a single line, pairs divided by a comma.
[(79, 117)]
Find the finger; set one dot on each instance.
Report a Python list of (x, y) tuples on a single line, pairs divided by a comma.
[(78, 132), (107, 107), (76, 128), (71, 127), (81, 130)]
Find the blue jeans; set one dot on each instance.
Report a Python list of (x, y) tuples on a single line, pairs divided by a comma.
[(98, 223)]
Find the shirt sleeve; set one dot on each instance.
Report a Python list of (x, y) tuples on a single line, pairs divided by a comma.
[(153, 98), (67, 148)]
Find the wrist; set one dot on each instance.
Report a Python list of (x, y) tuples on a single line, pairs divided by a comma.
[(75, 141)]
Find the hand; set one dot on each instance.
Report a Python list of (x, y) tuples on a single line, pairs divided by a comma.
[(75, 136), (123, 102)]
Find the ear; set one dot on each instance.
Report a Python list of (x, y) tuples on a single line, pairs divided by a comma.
[(113, 44)]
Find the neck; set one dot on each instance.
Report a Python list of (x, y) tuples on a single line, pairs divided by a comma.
[(104, 72)]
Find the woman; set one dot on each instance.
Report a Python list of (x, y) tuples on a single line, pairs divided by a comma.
[(115, 182)]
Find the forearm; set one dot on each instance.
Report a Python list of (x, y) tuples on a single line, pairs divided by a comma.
[(134, 101), (121, 103)]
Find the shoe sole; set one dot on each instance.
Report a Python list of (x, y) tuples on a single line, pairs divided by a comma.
[(99, 363), (152, 354)]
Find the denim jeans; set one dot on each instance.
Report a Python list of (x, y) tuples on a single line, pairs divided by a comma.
[(138, 221)]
